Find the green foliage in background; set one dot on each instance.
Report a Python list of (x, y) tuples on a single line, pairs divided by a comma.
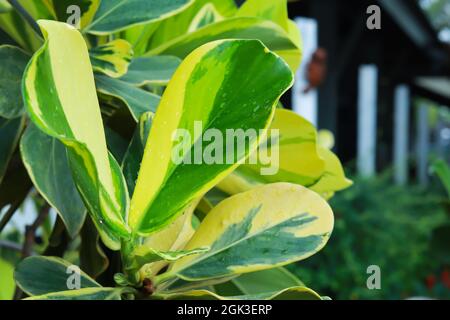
[(378, 223)]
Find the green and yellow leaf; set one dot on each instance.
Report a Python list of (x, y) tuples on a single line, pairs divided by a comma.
[(294, 153), (273, 10), (244, 81), (334, 178), (203, 208), (268, 32), (207, 15), (19, 30), (59, 93), (171, 238), (87, 8), (82, 294), (38, 9), (241, 230), (325, 139), (155, 34), (143, 255), (43, 275), (4, 6), (112, 58), (116, 15), (294, 293)]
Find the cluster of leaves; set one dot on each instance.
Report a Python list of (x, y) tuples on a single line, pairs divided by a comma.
[(395, 228), (100, 106)]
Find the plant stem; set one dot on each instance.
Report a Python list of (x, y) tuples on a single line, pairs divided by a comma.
[(28, 18), (30, 234), (163, 277), (8, 215), (127, 249), (30, 231)]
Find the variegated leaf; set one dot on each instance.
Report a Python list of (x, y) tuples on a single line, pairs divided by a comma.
[(117, 15), (87, 10), (60, 95), (207, 15), (241, 230), (294, 293), (143, 255), (273, 10), (293, 152), (112, 58), (268, 32), (16, 26), (43, 275), (244, 82), (171, 238), (333, 178), (155, 34), (83, 294)]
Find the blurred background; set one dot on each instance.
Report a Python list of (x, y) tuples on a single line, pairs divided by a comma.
[(376, 74)]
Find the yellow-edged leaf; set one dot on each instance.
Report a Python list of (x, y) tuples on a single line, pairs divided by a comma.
[(112, 58), (293, 152), (59, 93), (334, 178), (244, 81), (271, 34), (241, 230), (294, 293)]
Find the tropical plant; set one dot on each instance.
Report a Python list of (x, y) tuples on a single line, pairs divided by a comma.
[(95, 137)]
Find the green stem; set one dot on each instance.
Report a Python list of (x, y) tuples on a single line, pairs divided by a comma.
[(163, 277), (128, 247), (28, 18)]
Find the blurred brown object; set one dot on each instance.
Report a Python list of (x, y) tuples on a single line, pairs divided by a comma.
[(316, 71)]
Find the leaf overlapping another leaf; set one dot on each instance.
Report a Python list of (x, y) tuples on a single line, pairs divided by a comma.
[(47, 165), (241, 230), (57, 83), (244, 81), (116, 15)]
